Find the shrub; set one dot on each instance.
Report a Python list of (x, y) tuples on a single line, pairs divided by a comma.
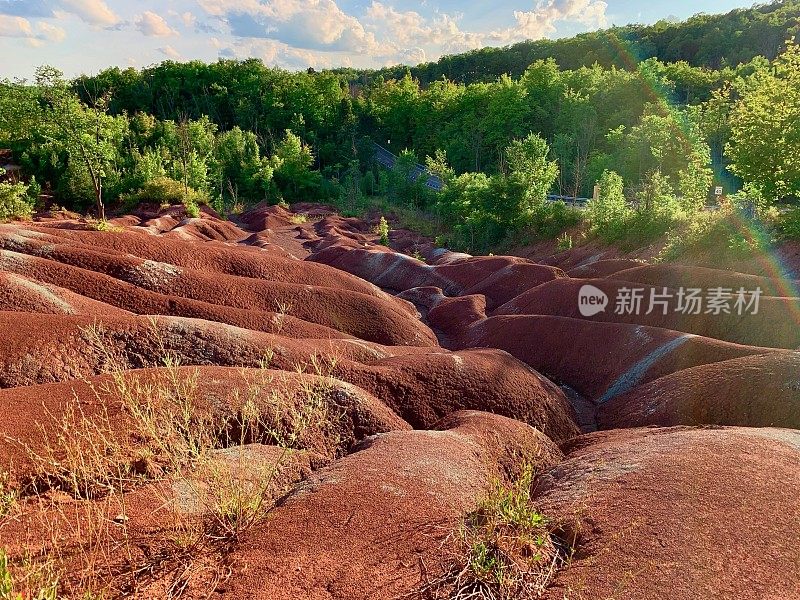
[(38, 584), (643, 227), (694, 182), (720, 234), (103, 225), (750, 201), (550, 219), (192, 210), (292, 163), (655, 194), (8, 496), (383, 231), (15, 201), (788, 225), (74, 188), (369, 185), (609, 211), (166, 191), (350, 193), (565, 242), (406, 186), (614, 221), (34, 190), (465, 206), (505, 548), (530, 168)]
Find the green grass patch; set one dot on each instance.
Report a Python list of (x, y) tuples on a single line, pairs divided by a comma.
[(505, 548)]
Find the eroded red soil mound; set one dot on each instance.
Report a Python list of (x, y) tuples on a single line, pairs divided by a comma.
[(601, 360), (35, 416), (679, 513), (560, 298), (499, 278), (361, 527), (756, 391), (674, 276), (311, 351), (603, 268)]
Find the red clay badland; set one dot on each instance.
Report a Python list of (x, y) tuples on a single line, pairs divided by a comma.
[(339, 407)]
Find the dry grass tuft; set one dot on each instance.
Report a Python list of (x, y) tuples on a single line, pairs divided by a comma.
[(8, 496), (164, 438), (81, 456)]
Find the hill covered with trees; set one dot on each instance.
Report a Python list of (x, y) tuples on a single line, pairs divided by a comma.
[(705, 40), (655, 135)]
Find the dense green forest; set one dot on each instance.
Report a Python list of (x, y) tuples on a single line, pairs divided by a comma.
[(713, 41), (708, 107)]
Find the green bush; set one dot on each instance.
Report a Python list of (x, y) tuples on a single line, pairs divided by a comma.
[(15, 201), (47, 588), (550, 219), (369, 185), (192, 210), (609, 211), (477, 234), (750, 199), (350, 193), (613, 221), (383, 231), (719, 233), (788, 225), (163, 191), (644, 228), (74, 188), (506, 548), (405, 188), (292, 163)]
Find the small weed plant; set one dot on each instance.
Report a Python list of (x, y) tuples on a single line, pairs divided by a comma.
[(168, 435), (29, 582), (505, 549), (383, 231)]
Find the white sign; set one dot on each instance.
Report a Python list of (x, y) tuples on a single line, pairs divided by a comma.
[(718, 191)]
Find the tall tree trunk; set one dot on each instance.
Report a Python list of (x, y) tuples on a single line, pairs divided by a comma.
[(101, 208)]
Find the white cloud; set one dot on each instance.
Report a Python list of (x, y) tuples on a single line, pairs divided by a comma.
[(21, 28), (94, 12), (413, 38), (219, 8), (18, 27), (279, 54), (188, 19), (541, 21), (285, 32), (51, 33), (151, 24), (413, 56), (170, 52), (302, 24)]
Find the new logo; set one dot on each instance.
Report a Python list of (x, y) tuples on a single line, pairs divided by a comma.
[(591, 301)]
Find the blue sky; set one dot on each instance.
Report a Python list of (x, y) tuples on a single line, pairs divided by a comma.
[(84, 36)]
